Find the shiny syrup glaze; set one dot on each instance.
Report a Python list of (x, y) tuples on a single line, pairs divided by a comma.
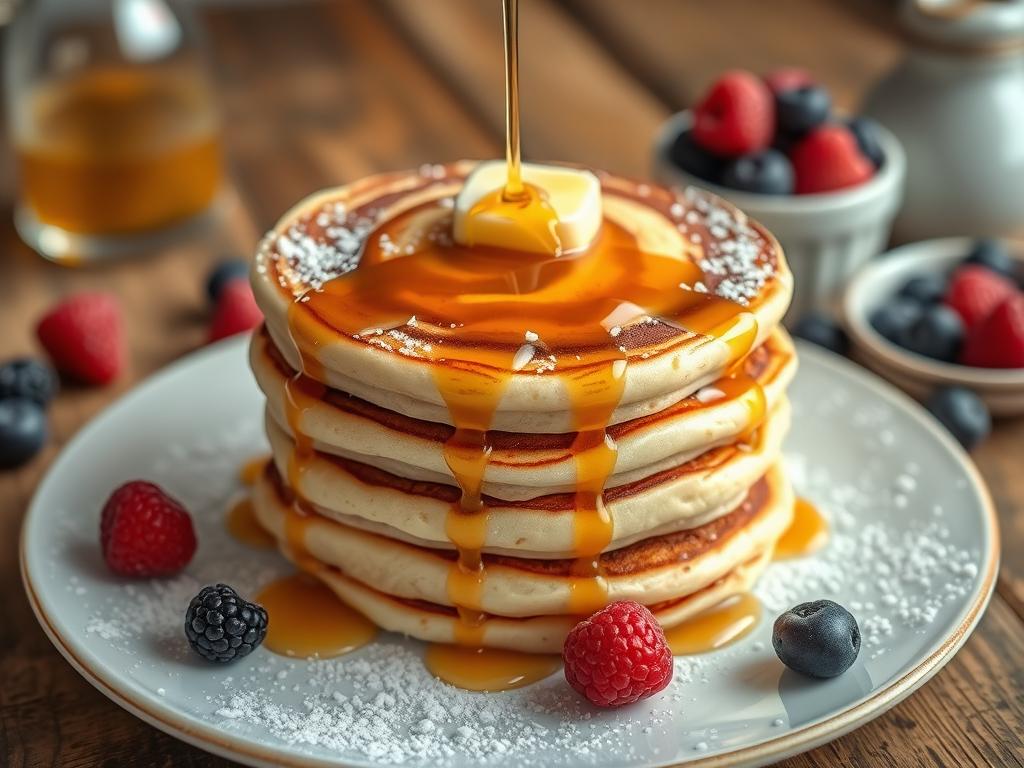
[(488, 669), (242, 524), (307, 620), (716, 627), (806, 534), (483, 305), (251, 470)]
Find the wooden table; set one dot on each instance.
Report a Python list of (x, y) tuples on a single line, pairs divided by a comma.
[(318, 94)]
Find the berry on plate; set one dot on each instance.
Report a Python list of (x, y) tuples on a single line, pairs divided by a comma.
[(827, 159), (893, 319), (618, 656), (787, 79), (222, 274), (802, 108), (938, 333), (767, 172), (22, 431), (993, 255), (975, 291), (736, 117), (818, 639), (928, 288), (27, 378), (221, 626), (819, 328), (865, 131), (145, 533), (962, 412), (999, 341), (693, 158), (236, 311), (82, 335)]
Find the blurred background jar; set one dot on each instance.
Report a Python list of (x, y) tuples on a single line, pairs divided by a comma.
[(956, 102), (113, 124)]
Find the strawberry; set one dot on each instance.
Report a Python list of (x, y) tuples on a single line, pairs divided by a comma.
[(736, 117), (145, 533), (829, 158), (975, 292), (999, 341), (83, 337), (236, 311)]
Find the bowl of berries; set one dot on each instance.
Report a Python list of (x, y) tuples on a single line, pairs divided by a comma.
[(944, 313), (828, 187)]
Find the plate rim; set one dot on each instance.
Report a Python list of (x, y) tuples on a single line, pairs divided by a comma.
[(223, 743)]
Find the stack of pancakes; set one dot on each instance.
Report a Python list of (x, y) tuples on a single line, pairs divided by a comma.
[(361, 493)]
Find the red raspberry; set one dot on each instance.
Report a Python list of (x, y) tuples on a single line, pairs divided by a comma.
[(83, 337), (618, 655), (999, 341), (975, 292), (788, 79), (829, 158), (736, 117), (236, 311), (145, 533)]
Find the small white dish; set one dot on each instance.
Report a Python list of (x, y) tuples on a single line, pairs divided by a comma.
[(877, 283), (892, 482), (827, 236)]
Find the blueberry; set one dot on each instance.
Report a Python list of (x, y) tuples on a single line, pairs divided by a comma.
[(798, 110), (819, 639), (224, 273), (865, 130), (928, 288), (768, 172), (819, 328), (22, 431), (694, 159), (961, 412), (938, 333), (27, 378), (893, 319), (993, 255)]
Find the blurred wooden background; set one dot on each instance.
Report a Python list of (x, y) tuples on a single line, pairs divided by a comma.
[(320, 93)]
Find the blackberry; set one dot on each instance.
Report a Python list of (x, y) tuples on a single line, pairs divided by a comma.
[(221, 626)]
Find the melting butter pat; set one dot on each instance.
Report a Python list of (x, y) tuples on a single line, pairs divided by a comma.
[(562, 215)]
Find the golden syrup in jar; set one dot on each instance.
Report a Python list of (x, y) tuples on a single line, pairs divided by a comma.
[(716, 627), (308, 620), (119, 150), (806, 534), (488, 669)]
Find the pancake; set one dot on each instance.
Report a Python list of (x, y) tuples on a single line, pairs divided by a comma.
[(678, 497), (651, 571), (523, 466), (394, 361), (535, 634)]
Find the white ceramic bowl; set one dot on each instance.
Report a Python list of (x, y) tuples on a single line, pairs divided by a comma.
[(1001, 389), (826, 236)]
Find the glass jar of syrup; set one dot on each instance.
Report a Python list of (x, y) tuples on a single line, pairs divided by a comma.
[(113, 124)]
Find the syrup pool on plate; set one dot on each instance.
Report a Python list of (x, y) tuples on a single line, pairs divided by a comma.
[(806, 534), (717, 627)]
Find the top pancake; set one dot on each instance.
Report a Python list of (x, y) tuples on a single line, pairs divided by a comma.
[(396, 364)]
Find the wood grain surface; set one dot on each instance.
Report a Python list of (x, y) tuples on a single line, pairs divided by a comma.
[(322, 93)]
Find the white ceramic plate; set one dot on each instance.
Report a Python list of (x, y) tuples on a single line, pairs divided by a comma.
[(913, 555)]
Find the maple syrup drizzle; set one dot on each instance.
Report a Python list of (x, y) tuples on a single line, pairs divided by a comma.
[(242, 524), (488, 669), (478, 303), (716, 627), (308, 620), (251, 470), (806, 534)]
